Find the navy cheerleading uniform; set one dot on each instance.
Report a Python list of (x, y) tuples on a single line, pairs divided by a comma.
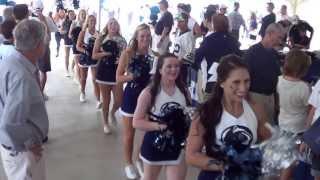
[(107, 66), (140, 66), (246, 126), (74, 37), (86, 60), (154, 152)]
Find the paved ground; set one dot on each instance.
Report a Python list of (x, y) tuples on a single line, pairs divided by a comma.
[(77, 148)]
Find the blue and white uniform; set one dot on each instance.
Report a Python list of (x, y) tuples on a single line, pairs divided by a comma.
[(141, 66), (107, 67), (75, 34), (86, 58), (246, 125), (149, 153)]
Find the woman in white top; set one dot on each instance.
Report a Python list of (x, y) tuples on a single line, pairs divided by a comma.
[(293, 97), (167, 89), (85, 45), (227, 112)]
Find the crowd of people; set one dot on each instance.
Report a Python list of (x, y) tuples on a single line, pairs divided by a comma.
[(155, 80)]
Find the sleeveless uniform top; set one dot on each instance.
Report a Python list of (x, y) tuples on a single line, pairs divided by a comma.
[(163, 98), (246, 124), (86, 59), (87, 36), (107, 67), (141, 66), (149, 153)]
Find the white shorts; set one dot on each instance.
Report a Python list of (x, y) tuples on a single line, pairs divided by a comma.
[(22, 165)]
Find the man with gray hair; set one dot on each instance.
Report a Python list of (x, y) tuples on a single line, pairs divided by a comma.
[(23, 116), (264, 67)]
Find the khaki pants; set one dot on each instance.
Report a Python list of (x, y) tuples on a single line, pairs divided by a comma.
[(268, 104), (22, 165)]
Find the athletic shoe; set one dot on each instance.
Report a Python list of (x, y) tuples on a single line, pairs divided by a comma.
[(68, 74), (99, 105), (139, 166), (106, 129), (131, 172), (82, 97), (45, 97)]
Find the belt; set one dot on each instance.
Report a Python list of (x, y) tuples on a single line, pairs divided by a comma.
[(6, 147)]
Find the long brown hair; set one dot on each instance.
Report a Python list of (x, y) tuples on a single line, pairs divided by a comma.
[(210, 112), (155, 83)]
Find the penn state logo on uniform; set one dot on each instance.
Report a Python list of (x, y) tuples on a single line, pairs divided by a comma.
[(238, 136)]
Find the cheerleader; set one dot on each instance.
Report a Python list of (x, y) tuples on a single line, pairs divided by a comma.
[(134, 68), (73, 34), (66, 24), (85, 45), (226, 114), (167, 89), (58, 19), (107, 49)]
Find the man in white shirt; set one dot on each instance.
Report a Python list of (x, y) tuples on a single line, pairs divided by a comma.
[(314, 114)]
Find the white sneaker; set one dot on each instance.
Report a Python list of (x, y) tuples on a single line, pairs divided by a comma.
[(106, 129), (139, 166), (131, 172), (82, 97), (68, 74), (99, 105), (45, 97)]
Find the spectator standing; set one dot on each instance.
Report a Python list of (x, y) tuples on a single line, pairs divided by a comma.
[(268, 19), (264, 67), (293, 98), (24, 119), (213, 47), (161, 40), (236, 21), (6, 30), (20, 12), (314, 114)]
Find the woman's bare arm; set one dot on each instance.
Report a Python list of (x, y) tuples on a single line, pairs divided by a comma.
[(141, 118), (195, 143)]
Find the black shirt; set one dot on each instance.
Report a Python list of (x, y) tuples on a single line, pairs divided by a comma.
[(264, 68), (215, 46), (266, 21), (166, 20)]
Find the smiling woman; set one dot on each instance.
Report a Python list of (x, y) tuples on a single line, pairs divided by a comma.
[(228, 113)]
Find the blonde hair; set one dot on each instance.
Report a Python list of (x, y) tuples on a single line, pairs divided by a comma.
[(105, 29), (85, 25), (133, 43), (296, 63), (79, 14)]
